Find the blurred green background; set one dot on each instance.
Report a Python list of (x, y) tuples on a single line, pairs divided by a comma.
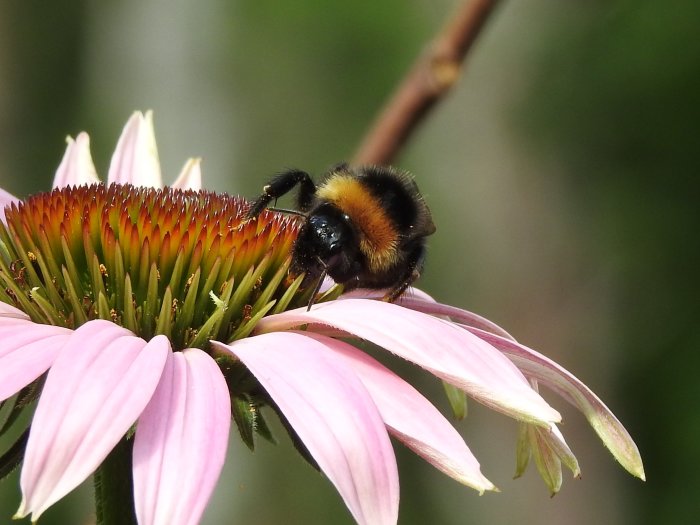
[(562, 172)]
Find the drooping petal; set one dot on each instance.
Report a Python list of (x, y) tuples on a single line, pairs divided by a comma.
[(422, 302), (5, 200), (181, 441), (333, 414), (523, 449), (190, 177), (552, 442), (444, 349), (27, 350), (556, 442), (135, 160), (76, 167), (548, 447), (97, 387), (607, 426), (411, 418), (547, 461)]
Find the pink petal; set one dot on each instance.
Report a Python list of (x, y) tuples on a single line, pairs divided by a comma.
[(416, 299), (181, 441), (98, 386), (5, 200), (333, 414), (27, 350), (422, 302), (9, 311), (135, 160), (77, 167), (446, 350), (190, 177), (411, 418), (607, 426), (366, 293)]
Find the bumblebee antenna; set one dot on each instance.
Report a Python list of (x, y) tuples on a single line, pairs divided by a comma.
[(288, 211), (319, 282)]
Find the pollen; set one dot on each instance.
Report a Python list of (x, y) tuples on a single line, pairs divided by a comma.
[(184, 264)]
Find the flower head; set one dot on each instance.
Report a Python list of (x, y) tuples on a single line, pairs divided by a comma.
[(149, 316)]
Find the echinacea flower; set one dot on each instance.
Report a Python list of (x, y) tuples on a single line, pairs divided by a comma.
[(142, 319)]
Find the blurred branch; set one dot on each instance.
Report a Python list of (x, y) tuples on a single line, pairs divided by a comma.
[(430, 78)]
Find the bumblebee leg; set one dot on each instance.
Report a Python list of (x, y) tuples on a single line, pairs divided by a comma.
[(413, 269), (282, 184)]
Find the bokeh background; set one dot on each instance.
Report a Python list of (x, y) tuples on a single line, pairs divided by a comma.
[(562, 172)]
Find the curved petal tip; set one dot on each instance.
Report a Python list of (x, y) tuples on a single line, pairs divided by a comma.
[(135, 160)]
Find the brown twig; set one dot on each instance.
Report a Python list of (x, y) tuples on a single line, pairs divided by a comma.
[(430, 78)]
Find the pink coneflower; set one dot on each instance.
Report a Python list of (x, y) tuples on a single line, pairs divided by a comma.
[(143, 319)]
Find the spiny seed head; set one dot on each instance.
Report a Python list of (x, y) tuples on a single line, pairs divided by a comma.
[(158, 261)]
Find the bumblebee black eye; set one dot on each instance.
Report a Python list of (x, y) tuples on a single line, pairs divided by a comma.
[(331, 232)]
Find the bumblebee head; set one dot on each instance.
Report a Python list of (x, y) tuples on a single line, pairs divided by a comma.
[(327, 241)]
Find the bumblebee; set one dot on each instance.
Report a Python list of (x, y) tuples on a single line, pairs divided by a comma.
[(365, 227)]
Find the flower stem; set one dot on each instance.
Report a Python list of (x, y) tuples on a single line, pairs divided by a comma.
[(114, 487)]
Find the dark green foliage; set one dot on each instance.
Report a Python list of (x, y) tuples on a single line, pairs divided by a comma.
[(619, 101)]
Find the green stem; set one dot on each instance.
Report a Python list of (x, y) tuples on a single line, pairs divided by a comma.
[(114, 487)]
